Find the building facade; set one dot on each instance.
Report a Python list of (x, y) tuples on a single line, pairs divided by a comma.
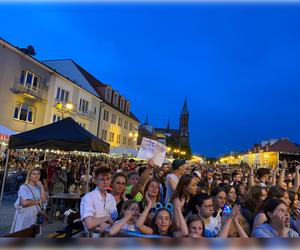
[(266, 154), (116, 124), (35, 93)]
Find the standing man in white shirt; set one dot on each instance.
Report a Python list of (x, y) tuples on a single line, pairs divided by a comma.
[(178, 167), (98, 208)]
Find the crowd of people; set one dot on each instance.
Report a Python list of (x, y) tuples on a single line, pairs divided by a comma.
[(178, 199)]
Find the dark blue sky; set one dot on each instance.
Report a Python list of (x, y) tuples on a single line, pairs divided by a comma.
[(238, 64)]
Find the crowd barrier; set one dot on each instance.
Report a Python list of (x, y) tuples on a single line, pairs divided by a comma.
[(13, 181)]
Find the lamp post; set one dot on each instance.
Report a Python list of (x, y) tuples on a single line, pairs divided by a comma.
[(63, 109)]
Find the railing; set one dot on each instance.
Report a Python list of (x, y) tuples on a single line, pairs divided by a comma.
[(13, 181), (30, 90), (88, 114)]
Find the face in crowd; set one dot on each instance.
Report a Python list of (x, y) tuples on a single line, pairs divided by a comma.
[(163, 221), (34, 176), (231, 196), (133, 179), (119, 185), (196, 229), (192, 187), (220, 199), (153, 189), (103, 181), (206, 210)]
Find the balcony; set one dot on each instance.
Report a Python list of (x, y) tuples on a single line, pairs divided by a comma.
[(30, 92), (86, 114)]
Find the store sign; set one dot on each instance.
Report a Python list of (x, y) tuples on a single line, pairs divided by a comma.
[(4, 137)]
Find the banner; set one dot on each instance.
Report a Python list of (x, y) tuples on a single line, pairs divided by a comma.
[(154, 150)]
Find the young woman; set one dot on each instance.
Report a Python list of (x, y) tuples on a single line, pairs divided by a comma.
[(119, 181), (278, 221), (185, 189), (274, 192), (129, 214), (163, 220), (152, 189), (31, 197)]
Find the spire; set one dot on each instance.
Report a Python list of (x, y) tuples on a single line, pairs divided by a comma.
[(146, 122), (184, 110), (168, 125)]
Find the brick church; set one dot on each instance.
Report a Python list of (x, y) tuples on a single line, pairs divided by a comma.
[(173, 138)]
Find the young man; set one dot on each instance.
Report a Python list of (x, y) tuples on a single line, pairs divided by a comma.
[(203, 205), (263, 175), (98, 206)]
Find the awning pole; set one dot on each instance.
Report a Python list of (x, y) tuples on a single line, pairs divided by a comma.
[(88, 173), (4, 175)]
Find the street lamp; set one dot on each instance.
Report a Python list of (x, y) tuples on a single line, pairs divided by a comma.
[(63, 109)]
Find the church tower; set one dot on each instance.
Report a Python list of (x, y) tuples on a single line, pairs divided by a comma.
[(184, 125)]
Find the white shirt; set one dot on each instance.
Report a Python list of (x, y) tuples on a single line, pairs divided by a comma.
[(169, 190), (93, 204), (213, 227)]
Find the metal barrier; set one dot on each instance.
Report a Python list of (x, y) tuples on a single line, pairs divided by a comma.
[(14, 180)]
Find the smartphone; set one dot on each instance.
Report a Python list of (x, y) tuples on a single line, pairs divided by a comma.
[(226, 210)]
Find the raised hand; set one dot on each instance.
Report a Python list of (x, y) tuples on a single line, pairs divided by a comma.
[(179, 203)]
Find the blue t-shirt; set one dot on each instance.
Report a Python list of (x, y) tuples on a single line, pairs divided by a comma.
[(267, 231)]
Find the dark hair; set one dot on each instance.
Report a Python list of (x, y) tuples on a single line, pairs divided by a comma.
[(102, 171), (276, 192), (141, 170), (215, 191), (131, 160), (132, 173), (116, 175), (292, 195), (146, 188), (252, 197), (179, 191), (126, 205), (195, 217), (198, 200), (261, 172), (271, 205)]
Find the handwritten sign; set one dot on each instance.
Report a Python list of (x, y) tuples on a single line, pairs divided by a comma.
[(151, 149)]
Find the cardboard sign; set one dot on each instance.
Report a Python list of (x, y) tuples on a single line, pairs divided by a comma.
[(154, 150)]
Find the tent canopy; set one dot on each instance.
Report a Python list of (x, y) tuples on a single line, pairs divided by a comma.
[(6, 131), (123, 151), (66, 135)]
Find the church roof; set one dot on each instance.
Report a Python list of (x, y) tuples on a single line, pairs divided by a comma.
[(184, 110)]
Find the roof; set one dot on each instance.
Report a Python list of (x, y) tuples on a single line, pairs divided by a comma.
[(184, 110), (68, 68), (95, 83), (65, 135), (282, 145), (173, 132)]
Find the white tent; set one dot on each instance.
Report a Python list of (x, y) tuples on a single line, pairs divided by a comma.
[(6, 131), (123, 151)]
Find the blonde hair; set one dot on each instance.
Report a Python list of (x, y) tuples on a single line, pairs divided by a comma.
[(30, 172)]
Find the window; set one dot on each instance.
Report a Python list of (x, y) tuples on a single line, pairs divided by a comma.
[(122, 104), (111, 136), (113, 118), (105, 115), (103, 134), (108, 94), (62, 95), (127, 107), (24, 112), (124, 139), (116, 99), (130, 127), (29, 80), (56, 118), (120, 121), (95, 110), (84, 105), (126, 124), (118, 138), (129, 141)]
